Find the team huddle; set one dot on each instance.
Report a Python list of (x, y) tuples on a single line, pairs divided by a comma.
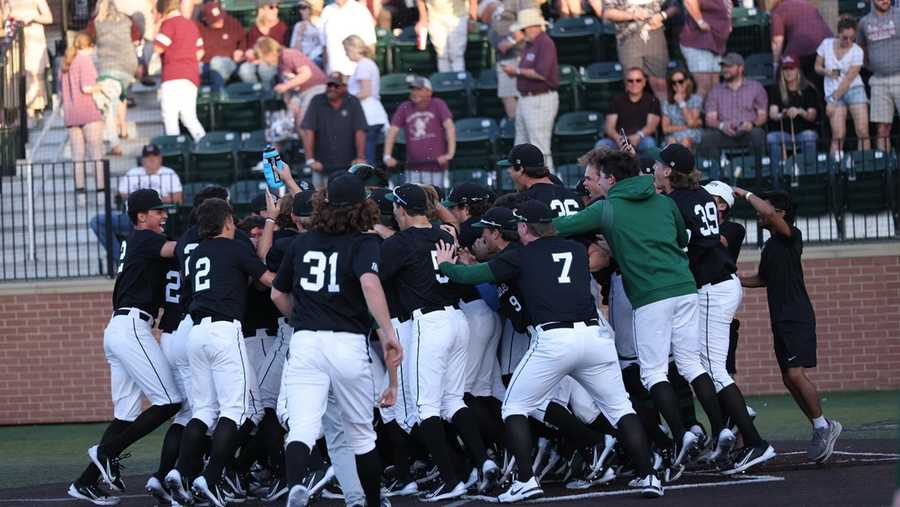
[(360, 342)]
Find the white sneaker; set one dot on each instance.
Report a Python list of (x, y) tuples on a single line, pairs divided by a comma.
[(607, 476), (650, 486), (156, 489), (176, 487), (490, 473), (443, 492), (408, 489), (688, 442), (521, 491), (201, 488), (298, 497)]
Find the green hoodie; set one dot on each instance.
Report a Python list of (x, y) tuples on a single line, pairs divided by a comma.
[(647, 235)]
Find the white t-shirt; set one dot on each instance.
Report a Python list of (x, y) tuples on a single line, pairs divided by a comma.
[(371, 105), (338, 23), (853, 57), (165, 181)]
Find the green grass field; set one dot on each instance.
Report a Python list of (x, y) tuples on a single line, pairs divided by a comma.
[(36, 455)]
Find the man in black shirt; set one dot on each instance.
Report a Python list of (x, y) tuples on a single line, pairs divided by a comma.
[(791, 312), (136, 362), (525, 165)]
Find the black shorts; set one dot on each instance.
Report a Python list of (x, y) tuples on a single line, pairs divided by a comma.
[(795, 344)]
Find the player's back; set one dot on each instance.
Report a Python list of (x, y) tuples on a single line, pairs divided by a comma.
[(563, 201), (409, 261), (708, 258), (218, 271), (141, 278)]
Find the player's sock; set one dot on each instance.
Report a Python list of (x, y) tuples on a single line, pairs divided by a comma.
[(465, 423), (273, 440), (295, 457), (169, 453), (666, 401), (224, 440), (574, 431), (489, 425), (433, 437), (644, 407), (193, 443), (685, 396), (706, 394), (368, 468), (602, 425), (246, 448), (634, 441), (149, 420), (91, 473), (398, 443), (733, 404), (518, 440), (820, 422)]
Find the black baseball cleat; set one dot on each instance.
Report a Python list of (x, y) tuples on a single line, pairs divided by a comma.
[(176, 487), (748, 457), (110, 468), (213, 493), (93, 494), (157, 490)]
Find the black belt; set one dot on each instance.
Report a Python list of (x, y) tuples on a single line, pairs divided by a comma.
[(567, 325), (720, 280), (215, 317), (469, 299), (425, 310), (141, 314)]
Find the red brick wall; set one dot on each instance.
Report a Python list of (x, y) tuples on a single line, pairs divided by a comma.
[(52, 367)]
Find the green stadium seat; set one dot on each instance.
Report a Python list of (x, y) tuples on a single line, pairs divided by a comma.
[(174, 151), (242, 192), (607, 48), (455, 89), (474, 143), (190, 189), (575, 40), (575, 134), (479, 54), (865, 181), (749, 28), (487, 103), (214, 158), (506, 137), (600, 82), (250, 150), (855, 8), (570, 174), (382, 43), (758, 66), (484, 177), (394, 91), (239, 108), (243, 10), (406, 57), (569, 87), (205, 108)]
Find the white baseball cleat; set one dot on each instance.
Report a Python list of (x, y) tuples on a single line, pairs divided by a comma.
[(688, 442), (176, 487), (92, 494), (156, 489), (521, 491), (650, 486), (298, 497)]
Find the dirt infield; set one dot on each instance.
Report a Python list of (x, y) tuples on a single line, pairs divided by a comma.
[(861, 472)]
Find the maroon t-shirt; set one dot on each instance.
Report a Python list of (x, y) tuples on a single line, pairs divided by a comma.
[(717, 14), (801, 25), (180, 39), (222, 41), (426, 139), (632, 116), (279, 32), (539, 55), (292, 61)]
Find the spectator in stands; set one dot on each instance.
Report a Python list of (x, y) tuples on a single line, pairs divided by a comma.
[(507, 43), (537, 79), (333, 131), (703, 38), (797, 30), (839, 60), (447, 23), (879, 37), (736, 112), (429, 132), (340, 20), (181, 48), (396, 14), (576, 8), (142, 13), (78, 80), (33, 14), (641, 36), (306, 37), (116, 37), (682, 112), (267, 25), (223, 41), (150, 174), (365, 85), (300, 79), (636, 112), (793, 104)]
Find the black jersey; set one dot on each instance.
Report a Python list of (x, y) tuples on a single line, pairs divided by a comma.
[(218, 270), (511, 303), (322, 271), (467, 236), (173, 311), (183, 248), (734, 234), (281, 241), (261, 312), (781, 269), (563, 201), (709, 261), (409, 261), (553, 276), (142, 272)]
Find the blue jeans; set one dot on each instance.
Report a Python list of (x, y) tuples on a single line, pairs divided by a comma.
[(258, 72), (806, 141), (121, 226), (218, 71), (645, 144), (372, 133)]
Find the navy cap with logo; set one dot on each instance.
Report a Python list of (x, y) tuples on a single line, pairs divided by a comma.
[(466, 193), (524, 155), (151, 150), (345, 190), (144, 200), (497, 218), (409, 196), (678, 158), (379, 195), (303, 203), (534, 212)]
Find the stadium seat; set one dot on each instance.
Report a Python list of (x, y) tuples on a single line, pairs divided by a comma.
[(406, 57), (748, 34), (242, 192), (575, 40), (474, 143), (758, 66), (190, 189), (600, 82), (855, 8), (382, 43), (479, 54), (575, 134), (455, 89), (506, 136), (570, 174), (250, 151), (174, 151), (214, 158), (239, 108), (569, 87), (606, 49), (484, 177), (204, 107), (487, 103), (394, 91), (865, 186)]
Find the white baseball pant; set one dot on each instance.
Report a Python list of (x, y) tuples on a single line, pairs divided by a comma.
[(448, 34), (258, 346), (718, 304), (175, 348), (559, 395), (581, 402), (621, 318), (586, 353), (513, 346), (437, 362), (341, 454), (137, 366), (404, 411), (323, 361), (481, 354), (668, 325), (535, 116), (178, 100), (269, 374)]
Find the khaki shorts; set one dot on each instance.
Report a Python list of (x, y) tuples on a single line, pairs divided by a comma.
[(652, 56), (506, 85), (885, 98)]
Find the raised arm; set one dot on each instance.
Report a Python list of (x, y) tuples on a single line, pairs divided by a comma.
[(585, 221)]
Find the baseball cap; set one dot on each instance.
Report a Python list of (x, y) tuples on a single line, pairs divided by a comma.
[(345, 190), (212, 12), (303, 203), (151, 150), (789, 62), (258, 204), (721, 190), (379, 195), (144, 200), (370, 175), (497, 218), (466, 193), (420, 82), (678, 158), (523, 155), (648, 160), (534, 212), (337, 78), (409, 196), (732, 59)]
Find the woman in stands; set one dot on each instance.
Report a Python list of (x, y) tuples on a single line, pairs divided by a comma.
[(681, 112), (365, 84)]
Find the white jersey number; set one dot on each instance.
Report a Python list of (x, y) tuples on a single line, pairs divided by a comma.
[(122, 256), (201, 279), (187, 255), (172, 288), (317, 266), (708, 215), (437, 272), (566, 259), (564, 208), (515, 303)]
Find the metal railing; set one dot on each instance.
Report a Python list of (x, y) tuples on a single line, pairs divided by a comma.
[(13, 113)]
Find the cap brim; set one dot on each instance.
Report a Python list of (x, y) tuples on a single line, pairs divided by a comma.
[(166, 206), (392, 197), (504, 163)]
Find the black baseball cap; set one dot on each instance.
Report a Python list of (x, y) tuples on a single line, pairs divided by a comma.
[(144, 200), (466, 193), (524, 155), (497, 218), (409, 196), (678, 158), (379, 195), (534, 212), (258, 204), (151, 150), (303, 203), (370, 175), (345, 190)]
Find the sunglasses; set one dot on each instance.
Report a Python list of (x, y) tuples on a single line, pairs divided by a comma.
[(678, 81), (634, 80), (334, 85), (304, 7)]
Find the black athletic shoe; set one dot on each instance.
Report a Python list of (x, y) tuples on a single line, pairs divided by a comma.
[(110, 468), (94, 494), (748, 457)]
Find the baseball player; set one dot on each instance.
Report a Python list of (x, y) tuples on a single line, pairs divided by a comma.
[(136, 362), (568, 340), (440, 335), (525, 166), (328, 283)]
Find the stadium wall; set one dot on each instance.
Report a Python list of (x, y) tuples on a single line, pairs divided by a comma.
[(52, 367)]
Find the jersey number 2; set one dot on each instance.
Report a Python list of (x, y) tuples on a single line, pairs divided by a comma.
[(317, 264), (566, 259), (172, 288), (201, 272)]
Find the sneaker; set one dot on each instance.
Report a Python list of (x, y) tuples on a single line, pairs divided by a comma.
[(397, 488), (688, 442), (472, 480), (554, 461), (603, 477), (175, 484), (822, 443), (650, 486), (156, 489), (698, 430), (508, 468), (748, 457), (213, 494), (333, 491), (602, 459), (234, 487), (317, 480), (670, 469), (110, 468), (93, 494), (444, 492), (724, 445), (490, 474), (298, 497), (276, 490), (521, 491)]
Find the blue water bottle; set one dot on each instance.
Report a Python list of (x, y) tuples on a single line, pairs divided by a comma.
[(271, 165)]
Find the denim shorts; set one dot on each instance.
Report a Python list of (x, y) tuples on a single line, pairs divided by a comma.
[(701, 60), (854, 96)]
